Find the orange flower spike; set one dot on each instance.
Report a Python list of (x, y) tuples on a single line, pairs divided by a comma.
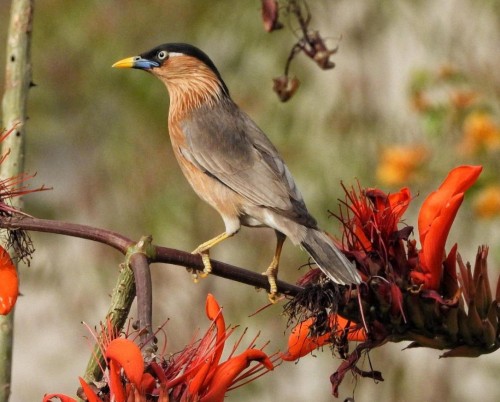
[(457, 181), (9, 283), (399, 164), (300, 343), (227, 372), (487, 202), (88, 391), (127, 355)]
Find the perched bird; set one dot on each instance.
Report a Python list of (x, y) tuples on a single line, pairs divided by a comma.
[(230, 162)]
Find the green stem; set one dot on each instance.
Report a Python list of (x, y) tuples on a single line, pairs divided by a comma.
[(14, 104), (121, 301), (134, 277)]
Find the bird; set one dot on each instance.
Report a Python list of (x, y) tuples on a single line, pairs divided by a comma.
[(232, 165)]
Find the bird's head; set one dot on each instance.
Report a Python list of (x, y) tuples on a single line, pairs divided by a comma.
[(188, 73)]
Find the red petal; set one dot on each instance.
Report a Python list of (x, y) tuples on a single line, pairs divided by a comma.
[(355, 334), (127, 355), (435, 241), (378, 198), (300, 343), (116, 388), (63, 398), (457, 181), (214, 313), (196, 383), (148, 383), (460, 179), (399, 203), (9, 283), (88, 391), (229, 370), (199, 371)]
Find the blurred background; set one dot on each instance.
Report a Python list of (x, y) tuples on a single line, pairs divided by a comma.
[(415, 92)]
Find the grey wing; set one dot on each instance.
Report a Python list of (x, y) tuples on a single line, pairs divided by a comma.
[(226, 144)]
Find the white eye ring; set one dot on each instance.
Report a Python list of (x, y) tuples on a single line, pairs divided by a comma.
[(162, 55)]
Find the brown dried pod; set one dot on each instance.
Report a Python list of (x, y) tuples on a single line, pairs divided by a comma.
[(270, 15), (285, 87)]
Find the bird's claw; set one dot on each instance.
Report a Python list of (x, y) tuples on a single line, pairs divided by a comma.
[(274, 296), (205, 257)]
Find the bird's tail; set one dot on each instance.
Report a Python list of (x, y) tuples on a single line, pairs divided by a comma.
[(329, 258)]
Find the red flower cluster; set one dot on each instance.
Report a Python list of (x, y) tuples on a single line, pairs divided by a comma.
[(195, 374), (421, 295)]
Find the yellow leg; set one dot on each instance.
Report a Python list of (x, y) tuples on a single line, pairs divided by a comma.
[(272, 270), (204, 251)]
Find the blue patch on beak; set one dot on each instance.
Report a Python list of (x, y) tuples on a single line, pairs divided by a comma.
[(144, 64)]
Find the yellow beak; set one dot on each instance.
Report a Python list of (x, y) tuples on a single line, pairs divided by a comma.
[(124, 63), (136, 62)]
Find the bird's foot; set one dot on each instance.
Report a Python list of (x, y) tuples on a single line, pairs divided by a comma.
[(273, 295), (205, 257)]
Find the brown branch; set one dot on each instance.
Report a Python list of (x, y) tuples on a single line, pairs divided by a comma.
[(138, 261), (245, 276), (115, 240), (138, 257), (157, 254)]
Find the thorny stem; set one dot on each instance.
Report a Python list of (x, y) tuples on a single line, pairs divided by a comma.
[(121, 301), (14, 113)]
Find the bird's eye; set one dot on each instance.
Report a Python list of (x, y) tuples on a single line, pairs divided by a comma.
[(162, 55)]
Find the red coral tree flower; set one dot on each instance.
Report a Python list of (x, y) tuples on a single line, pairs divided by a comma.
[(194, 374), (421, 295), (434, 223)]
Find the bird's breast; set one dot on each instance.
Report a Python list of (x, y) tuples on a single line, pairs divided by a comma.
[(210, 189)]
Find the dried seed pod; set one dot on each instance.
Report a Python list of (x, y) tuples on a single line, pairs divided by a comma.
[(285, 87)]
